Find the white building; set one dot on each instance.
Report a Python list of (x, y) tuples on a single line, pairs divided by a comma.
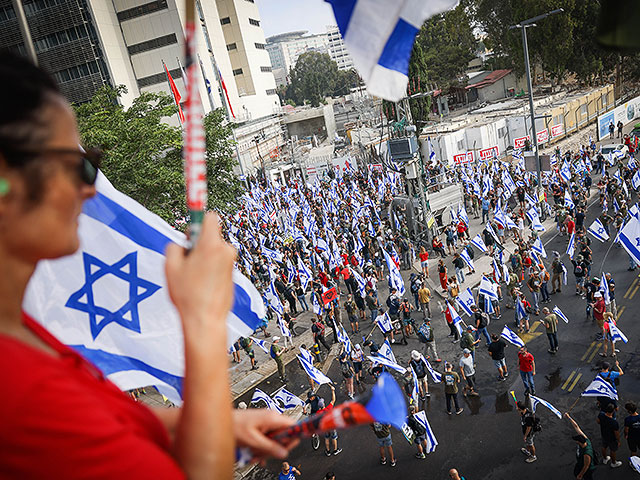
[(337, 50), (285, 48)]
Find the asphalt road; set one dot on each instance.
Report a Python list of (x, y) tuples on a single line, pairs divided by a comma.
[(484, 441)]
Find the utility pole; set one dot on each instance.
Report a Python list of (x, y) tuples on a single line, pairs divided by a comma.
[(523, 27), (24, 30)]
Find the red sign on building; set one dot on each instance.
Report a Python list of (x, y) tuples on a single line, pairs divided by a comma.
[(520, 142), (463, 158), (557, 130), (489, 153), (543, 136)]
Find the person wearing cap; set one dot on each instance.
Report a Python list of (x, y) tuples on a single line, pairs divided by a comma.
[(527, 421), (550, 322), (468, 373), (426, 336), (599, 308), (584, 467), (469, 342), (451, 380), (419, 365), (276, 352), (419, 431)]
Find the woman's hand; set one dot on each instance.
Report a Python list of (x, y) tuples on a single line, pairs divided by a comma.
[(200, 283), (251, 426)]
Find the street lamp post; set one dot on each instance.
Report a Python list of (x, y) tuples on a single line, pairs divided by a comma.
[(523, 27)]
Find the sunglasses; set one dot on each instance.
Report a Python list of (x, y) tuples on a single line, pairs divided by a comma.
[(88, 166)]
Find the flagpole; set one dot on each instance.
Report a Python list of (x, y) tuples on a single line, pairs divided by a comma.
[(166, 75)]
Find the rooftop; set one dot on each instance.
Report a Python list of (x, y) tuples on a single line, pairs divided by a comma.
[(490, 79)]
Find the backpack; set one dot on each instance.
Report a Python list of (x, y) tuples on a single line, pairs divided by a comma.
[(346, 370), (418, 367), (418, 428), (425, 333), (272, 352), (244, 342), (514, 262), (577, 270), (537, 425)]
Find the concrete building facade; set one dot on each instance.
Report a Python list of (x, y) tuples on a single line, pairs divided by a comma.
[(337, 50), (284, 50)]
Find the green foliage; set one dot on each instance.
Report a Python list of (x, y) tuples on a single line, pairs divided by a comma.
[(143, 154), (315, 77)]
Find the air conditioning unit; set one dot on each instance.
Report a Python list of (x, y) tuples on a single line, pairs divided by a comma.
[(402, 148)]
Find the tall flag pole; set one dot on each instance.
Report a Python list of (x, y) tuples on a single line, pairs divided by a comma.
[(194, 138)]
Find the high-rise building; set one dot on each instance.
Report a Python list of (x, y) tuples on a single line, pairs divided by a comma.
[(337, 50), (285, 48), (85, 44)]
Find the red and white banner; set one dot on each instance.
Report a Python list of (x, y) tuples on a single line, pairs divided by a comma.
[(463, 158), (489, 153), (543, 136), (557, 130), (520, 142)]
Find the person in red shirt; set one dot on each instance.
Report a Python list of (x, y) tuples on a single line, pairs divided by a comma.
[(599, 308), (527, 366), (60, 417), (462, 230), (449, 319), (571, 225), (424, 257)]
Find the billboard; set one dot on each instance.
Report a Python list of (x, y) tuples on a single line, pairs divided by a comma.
[(543, 136), (625, 113), (489, 153), (557, 130), (520, 142), (463, 158)]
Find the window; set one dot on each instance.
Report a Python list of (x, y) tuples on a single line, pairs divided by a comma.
[(255, 23), (460, 144), (266, 69), (251, 1), (260, 46), (237, 71), (7, 13), (37, 5), (60, 38), (225, 21), (583, 110), (76, 72), (502, 131), (153, 44), (158, 78), (231, 46), (141, 10), (271, 91)]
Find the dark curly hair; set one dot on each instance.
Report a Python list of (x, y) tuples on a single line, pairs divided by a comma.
[(27, 90)]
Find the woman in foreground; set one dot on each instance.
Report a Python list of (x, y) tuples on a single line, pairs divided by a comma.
[(61, 418)]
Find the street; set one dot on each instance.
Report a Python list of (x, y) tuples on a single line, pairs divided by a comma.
[(484, 441)]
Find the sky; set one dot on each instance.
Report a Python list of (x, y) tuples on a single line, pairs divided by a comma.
[(280, 16)]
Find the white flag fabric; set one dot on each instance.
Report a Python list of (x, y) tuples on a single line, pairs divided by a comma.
[(559, 313), (259, 395), (387, 363), (535, 401), (572, 245), (488, 289), (465, 301), (539, 247), (616, 334), (306, 355), (379, 36), (288, 399), (511, 337), (395, 277), (262, 344), (600, 388), (109, 300), (314, 374), (597, 230), (385, 351), (384, 322), (568, 201), (635, 463), (432, 443), (604, 288), (467, 259), (435, 376), (479, 243), (629, 237)]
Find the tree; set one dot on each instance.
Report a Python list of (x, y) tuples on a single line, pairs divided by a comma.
[(315, 76), (142, 153)]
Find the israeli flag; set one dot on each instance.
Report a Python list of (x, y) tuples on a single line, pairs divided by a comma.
[(387, 363), (465, 301), (432, 443), (635, 463), (283, 328), (568, 201), (344, 339), (604, 288), (384, 322), (559, 313), (306, 355), (314, 374), (261, 343), (535, 221), (538, 247), (315, 304), (415, 389), (457, 320), (274, 300), (601, 388), (629, 237), (565, 173), (462, 215), (272, 254), (435, 376), (521, 312), (479, 243), (362, 284), (488, 289), (571, 247), (288, 400), (511, 337), (635, 180), (385, 351), (395, 277), (109, 300), (305, 274), (535, 401), (467, 259), (379, 37), (432, 152), (597, 230), (260, 396), (616, 334)]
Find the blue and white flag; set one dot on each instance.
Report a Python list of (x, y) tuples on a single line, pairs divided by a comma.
[(601, 388), (432, 443), (387, 363), (344, 339), (109, 300), (274, 300), (559, 313), (616, 334), (629, 237), (288, 400), (395, 277), (432, 152), (604, 288), (283, 328), (462, 214), (385, 351), (521, 312), (315, 304), (635, 463), (435, 376), (572, 245), (272, 254), (539, 247), (479, 243), (465, 301), (535, 401), (415, 388), (305, 274), (314, 374), (457, 320), (467, 259), (511, 337), (259, 395), (261, 343), (568, 201), (379, 37), (488, 289), (635, 180), (384, 322), (306, 355), (597, 230)]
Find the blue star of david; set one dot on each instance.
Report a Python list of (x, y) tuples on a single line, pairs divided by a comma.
[(99, 317), (638, 242)]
